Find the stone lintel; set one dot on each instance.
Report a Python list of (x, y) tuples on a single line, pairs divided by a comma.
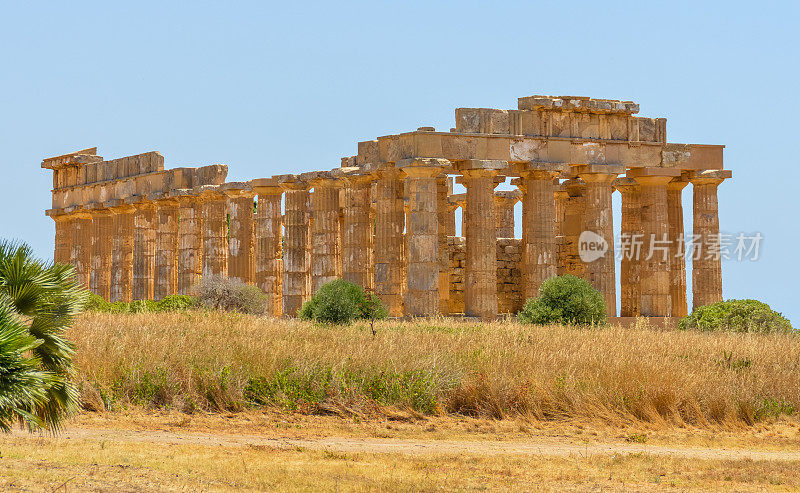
[(482, 164), (76, 158), (643, 172), (577, 104), (422, 162)]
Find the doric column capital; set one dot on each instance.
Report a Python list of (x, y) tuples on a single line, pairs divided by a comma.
[(507, 197), (626, 185), (537, 170), (574, 187), (118, 206), (677, 184), (422, 167), (292, 183), (184, 196), (710, 176), (598, 173), (653, 176), (97, 209), (321, 179), (480, 168), (237, 189), (266, 186), (209, 192), (162, 199)]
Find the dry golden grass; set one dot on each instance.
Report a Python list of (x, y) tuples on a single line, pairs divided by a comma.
[(205, 360)]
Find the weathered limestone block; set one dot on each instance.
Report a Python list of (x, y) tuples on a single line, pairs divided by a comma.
[(241, 248), (357, 227), (214, 211), (296, 254), (144, 248), (269, 255), (631, 231), (655, 264), (389, 225), (677, 271), (166, 261), (190, 240), (102, 244), (122, 251), (599, 220), (480, 277), (509, 275), (324, 226), (422, 254), (707, 267)]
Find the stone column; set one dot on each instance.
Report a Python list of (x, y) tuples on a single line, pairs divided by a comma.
[(504, 202), (480, 273), (574, 213), (81, 254), (190, 240), (296, 255), (677, 254), (560, 196), (269, 255), (655, 258), (599, 220), (122, 250), (357, 228), (422, 235), (706, 270), (442, 212), (144, 248), (324, 226), (389, 224), (166, 262), (460, 200), (102, 244), (214, 211), (241, 250), (631, 230), (539, 261), (63, 242)]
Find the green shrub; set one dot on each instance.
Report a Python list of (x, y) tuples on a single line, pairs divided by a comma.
[(736, 316), (95, 303), (177, 302), (223, 293), (341, 302), (565, 300)]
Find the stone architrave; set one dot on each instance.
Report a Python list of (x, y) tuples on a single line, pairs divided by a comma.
[(480, 273), (324, 226), (422, 235), (356, 227), (677, 242), (599, 220), (122, 251), (214, 213), (241, 248), (655, 260), (268, 252), (706, 263), (539, 254), (144, 247), (102, 248), (166, 255), (631, 242), (296, 254), (389, 225)]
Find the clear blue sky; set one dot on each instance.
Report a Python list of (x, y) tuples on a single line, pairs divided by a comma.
[(291, 87)]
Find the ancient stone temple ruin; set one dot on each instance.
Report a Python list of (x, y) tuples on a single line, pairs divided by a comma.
[(385, 218)]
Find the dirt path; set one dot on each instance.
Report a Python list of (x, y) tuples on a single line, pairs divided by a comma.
[(548, 447)]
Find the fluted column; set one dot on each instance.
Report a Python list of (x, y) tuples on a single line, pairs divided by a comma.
[(504, 202), (655, 263), (599, 220), (144, 248), (296, 254), (480, 273), (81, 254), (357, 228), (574, 213), (269, 255), (677, 271), (122, 251), (102, 245), (324, 226), (63, 243), (706, 268), (214, 211), (539, 261), (241, 249), (631, 238), (560, 197), (460, 200), (166, 262), (422, 235), (190, 240), (389, 224)]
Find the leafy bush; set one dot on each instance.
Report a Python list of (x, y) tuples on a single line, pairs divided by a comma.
[(170, 303), (177, 302), (222, 293), (566, 300), (736, 316), (341, 302)]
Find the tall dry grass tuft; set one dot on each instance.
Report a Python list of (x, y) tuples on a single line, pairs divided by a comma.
[(222, 361)]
